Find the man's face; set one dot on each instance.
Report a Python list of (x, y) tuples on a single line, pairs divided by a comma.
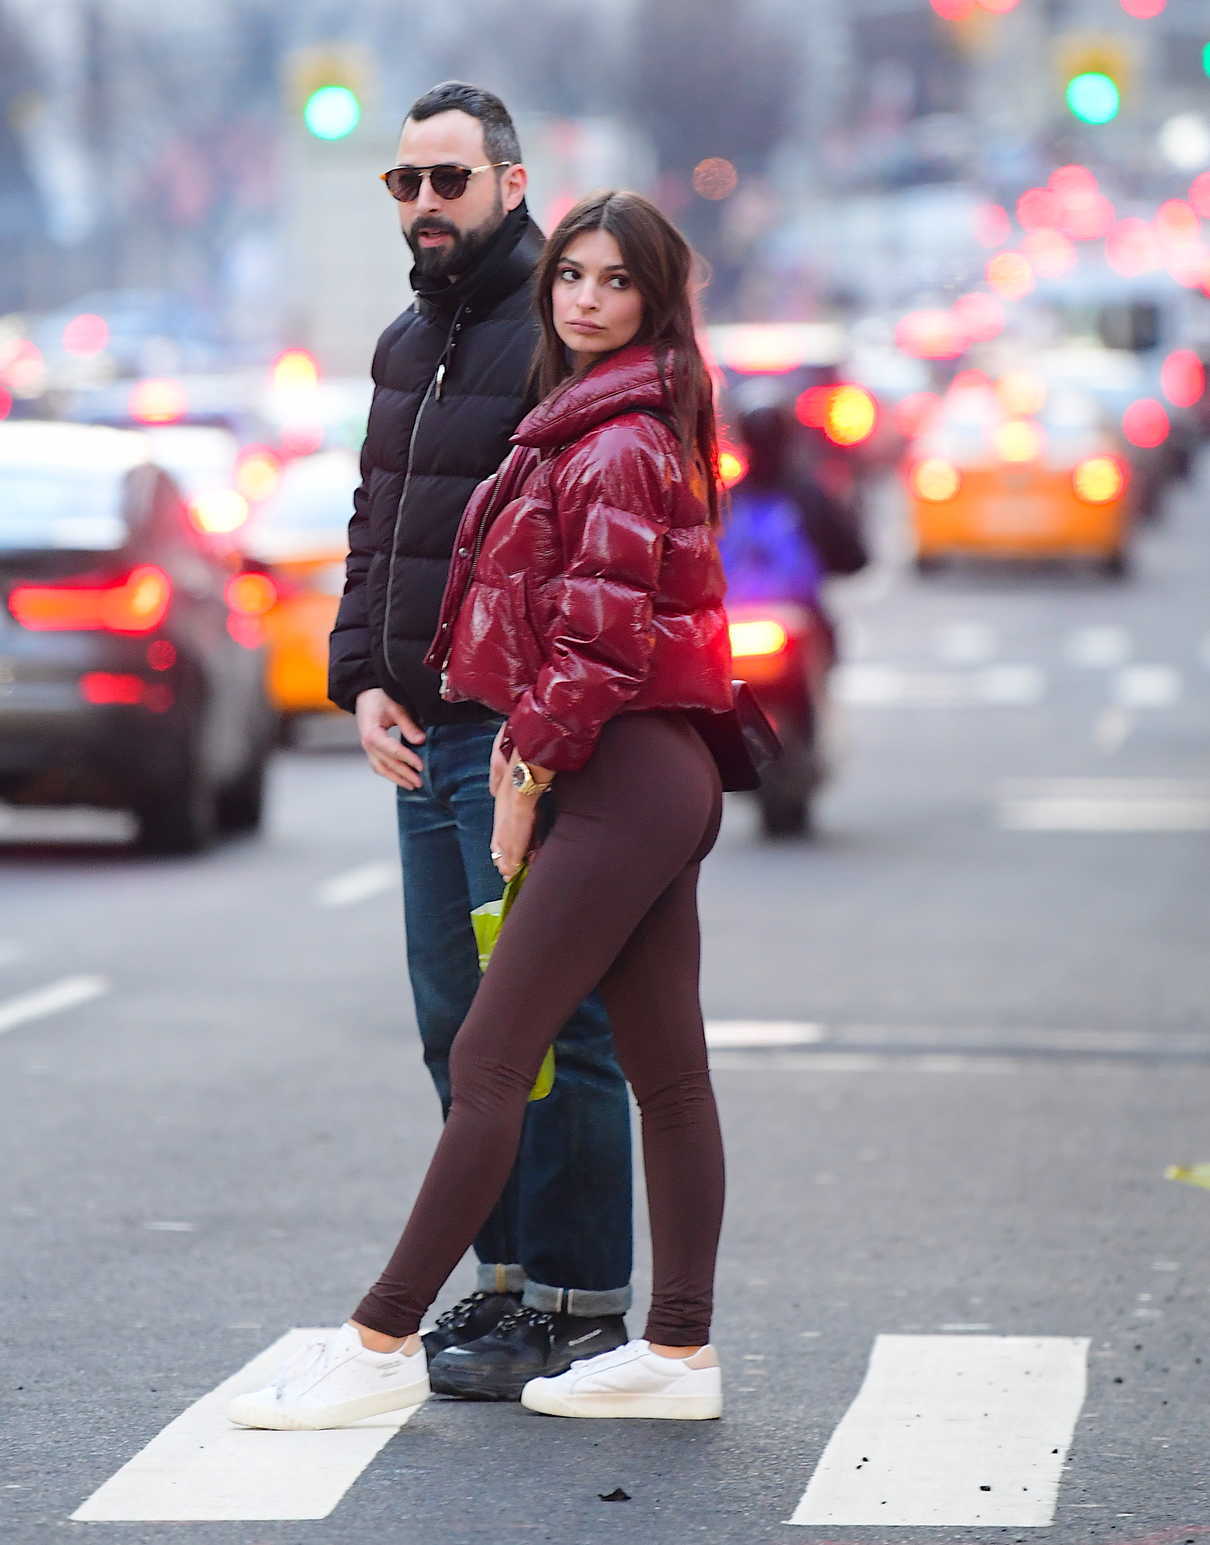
[(447, 235)]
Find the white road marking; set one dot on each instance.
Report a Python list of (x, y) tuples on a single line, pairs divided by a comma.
[(965, 643), (202, 1469), (1011, 685), (359, 884), (995, 686), (1098, 647), (1148, 686), (66, 994), (1106, 804), (953, 1430), (755, 1032)]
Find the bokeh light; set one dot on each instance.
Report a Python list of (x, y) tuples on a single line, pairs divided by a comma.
[(1011, 275), (715, 178), (1145, 423)]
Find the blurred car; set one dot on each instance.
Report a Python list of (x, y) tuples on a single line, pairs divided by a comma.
[(222, 481), (131, 655), (1012, 470), (301, 534), (128, 333)]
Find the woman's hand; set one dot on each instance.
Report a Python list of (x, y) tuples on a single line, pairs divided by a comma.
[(513, 832), (499, 764)]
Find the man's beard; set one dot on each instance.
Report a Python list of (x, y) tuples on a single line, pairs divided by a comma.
[(465, 247)]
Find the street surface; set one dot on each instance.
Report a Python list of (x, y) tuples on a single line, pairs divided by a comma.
[(959, 1038)]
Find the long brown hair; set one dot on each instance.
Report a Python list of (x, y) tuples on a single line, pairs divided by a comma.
[(660, 262)]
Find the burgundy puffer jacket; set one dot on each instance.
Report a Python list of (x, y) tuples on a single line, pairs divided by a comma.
[(586, 579)]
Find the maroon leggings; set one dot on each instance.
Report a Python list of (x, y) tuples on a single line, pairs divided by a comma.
[(610, 902)]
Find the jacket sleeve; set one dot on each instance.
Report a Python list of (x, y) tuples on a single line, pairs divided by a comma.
[(610, 500), (350, 667)]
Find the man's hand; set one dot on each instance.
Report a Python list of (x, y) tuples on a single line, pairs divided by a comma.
[(499, 764), (376, 713)]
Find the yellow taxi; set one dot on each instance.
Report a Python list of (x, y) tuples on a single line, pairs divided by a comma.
[(1008, 469), (301, 534)]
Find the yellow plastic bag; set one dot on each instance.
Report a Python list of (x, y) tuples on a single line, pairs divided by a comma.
[(487, 922)]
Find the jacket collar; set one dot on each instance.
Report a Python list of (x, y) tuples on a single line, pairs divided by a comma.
[(629, 379), (505, 265)]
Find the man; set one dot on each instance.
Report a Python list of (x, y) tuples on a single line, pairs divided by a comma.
[(450, 386)]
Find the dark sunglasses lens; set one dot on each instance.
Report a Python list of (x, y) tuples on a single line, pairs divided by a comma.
[(405, 186), (449, 181)]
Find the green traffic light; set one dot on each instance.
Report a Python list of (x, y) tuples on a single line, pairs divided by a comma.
[(1093, 97), (1206, 58), (332, 112)]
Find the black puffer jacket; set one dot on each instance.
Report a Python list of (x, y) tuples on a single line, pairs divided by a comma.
[(450, 380)]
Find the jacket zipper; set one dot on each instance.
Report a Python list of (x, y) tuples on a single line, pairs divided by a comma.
[(437, 383), (450, 612)]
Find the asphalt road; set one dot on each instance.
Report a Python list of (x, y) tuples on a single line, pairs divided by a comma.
[(959, 1039)]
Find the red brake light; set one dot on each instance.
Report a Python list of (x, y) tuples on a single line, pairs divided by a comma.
[(761, 636), (1145, 423), (136, 603)]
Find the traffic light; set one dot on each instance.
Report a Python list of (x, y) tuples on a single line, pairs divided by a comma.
[(1095, 73), (332, 112), (1093, 97), (327, 86)]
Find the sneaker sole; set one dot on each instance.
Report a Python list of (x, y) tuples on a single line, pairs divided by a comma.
[(245, 1411), (669, 1408)]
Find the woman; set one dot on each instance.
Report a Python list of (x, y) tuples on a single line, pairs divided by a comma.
[(585, 602)]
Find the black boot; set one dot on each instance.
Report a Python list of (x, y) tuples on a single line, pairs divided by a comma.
[(526, 1344), (469, 1319)]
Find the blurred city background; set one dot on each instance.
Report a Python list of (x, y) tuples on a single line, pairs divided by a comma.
[(955, 952)]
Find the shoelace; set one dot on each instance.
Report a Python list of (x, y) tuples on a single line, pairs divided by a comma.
[(456, 1317), (524, 1316), (313, 1355)]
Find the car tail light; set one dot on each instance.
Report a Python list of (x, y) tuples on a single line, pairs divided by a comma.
[(761, 636), (936, 480), (251, 594), (136, 603), (1099, 479), (257, 474), (1145, 423), (731, 467), (105, 688), (851, 416)]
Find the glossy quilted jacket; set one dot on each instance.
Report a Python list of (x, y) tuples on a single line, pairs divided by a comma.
[(586, 578)]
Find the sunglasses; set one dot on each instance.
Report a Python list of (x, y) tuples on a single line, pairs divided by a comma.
[(403, 182)]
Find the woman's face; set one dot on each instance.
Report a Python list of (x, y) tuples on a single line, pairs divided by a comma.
[(597, 306)]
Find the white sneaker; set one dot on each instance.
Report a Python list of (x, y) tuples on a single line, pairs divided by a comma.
[(334, 1382), (632, 1380)]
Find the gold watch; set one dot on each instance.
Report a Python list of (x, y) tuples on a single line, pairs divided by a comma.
[(525, 783)]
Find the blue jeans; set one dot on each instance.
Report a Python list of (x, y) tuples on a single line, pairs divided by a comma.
[(561, 1232)]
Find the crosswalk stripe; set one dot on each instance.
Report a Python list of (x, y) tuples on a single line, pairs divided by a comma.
[(66, 994), (201, 1469), (953, 1431), (1148, 686), (722, 1033)]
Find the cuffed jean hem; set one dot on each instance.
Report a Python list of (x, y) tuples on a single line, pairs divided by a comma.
[(584, 1303), (500, 1279)]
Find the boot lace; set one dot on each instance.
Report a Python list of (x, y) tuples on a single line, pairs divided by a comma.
[(524, 1316), (458, 1315)]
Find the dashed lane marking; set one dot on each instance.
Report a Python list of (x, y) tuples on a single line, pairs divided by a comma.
[(958, 1430), (1148, 686), (358, 884), (737, 1033), (201, 1469), (1098, 648), (993, 686), (1124, 805), (965, 643), (66, 994)]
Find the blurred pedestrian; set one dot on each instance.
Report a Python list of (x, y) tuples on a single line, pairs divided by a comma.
[(585, 601), (450, 385), (786, 533)]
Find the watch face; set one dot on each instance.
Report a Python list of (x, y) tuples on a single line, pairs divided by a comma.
[(518, 777)]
